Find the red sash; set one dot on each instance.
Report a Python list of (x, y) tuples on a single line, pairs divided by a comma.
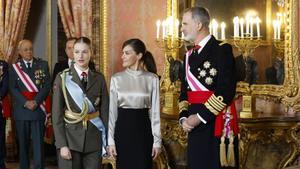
[(198, 97), (31, 95)]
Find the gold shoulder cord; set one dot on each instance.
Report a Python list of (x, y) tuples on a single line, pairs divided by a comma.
[(74, 117)]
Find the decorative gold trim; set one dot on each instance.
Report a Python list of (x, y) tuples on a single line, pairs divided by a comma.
[(276, 132), (104, 60), (210, 108), (169, 8), (171, 130), (49, 35), (183, 105)]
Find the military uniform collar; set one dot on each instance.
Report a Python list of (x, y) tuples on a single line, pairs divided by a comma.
[(31, 61), (79, 72), (76, 77), (203, 42)]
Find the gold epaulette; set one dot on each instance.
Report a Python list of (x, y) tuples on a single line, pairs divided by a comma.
[(222, 43), (183, 105), (215, 104)]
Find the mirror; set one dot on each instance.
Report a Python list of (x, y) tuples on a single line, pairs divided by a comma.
[(269, 68)]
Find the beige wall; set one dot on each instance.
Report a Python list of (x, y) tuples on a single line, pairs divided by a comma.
[(134, 19)]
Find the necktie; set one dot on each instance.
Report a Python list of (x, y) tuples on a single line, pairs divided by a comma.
[(196, 48), (84, 79), (28, 65)]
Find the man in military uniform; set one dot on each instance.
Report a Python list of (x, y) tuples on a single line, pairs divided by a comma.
[(80, 130), (29, 83), (3, 114), (207, 90)]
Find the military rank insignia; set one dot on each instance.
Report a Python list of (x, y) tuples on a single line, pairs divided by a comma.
[(39, 77)]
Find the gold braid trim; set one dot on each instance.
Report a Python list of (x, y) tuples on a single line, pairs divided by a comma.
[(218, 101), (211, 109), (70, 116), (215, 104), (183, 105)]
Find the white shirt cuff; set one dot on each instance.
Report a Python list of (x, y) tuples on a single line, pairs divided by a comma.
[(181, 120), (201, 119)]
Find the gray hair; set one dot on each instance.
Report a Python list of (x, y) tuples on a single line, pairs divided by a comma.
[(200, 15), (20, 44)]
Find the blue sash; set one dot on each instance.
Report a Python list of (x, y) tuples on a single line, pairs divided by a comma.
[(79, 97)]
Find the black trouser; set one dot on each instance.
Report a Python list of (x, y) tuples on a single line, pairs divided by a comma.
[(2, 141), (91, 160), (34, 130)]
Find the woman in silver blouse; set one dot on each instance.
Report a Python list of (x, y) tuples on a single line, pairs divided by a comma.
[(134, 137)]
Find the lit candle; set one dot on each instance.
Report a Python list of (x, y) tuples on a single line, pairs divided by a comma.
[(176, 28), (182, 35), (257, 20), (170, 25), (236, 27), (223, 26), (279, 16), (157, 28), (275, 29), (247, 24), (215, 28), (210, 28), (164, 28), (242, 21), (251, 26), (278, 29)]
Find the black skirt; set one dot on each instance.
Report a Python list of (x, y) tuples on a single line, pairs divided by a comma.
[(134, 139)]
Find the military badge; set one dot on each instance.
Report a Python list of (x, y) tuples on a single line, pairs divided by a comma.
[(213, 72), (97, 101), (39, 77), (208, 80), (206, 64), (202, 73)]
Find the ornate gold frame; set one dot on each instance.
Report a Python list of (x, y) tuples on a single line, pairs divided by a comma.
[(288, 93), (103, 61)]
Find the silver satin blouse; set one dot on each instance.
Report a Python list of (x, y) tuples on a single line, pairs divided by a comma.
[(135, 89)]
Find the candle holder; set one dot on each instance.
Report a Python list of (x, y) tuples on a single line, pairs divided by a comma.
[(247, 44), (279, 46), (169, 89)]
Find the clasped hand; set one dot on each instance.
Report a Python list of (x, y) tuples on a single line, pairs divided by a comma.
[(190, 123), (30, 104)]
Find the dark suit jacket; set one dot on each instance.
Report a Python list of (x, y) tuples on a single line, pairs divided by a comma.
[(223, 84), (75, 136), (3, 80), (60, 66), (16, 86)]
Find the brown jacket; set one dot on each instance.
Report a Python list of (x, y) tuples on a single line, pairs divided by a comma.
[(75, 136)]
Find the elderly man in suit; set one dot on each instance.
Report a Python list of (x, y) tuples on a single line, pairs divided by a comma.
[(60, 66), (29, 84), (3, 95), (80, 112)]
